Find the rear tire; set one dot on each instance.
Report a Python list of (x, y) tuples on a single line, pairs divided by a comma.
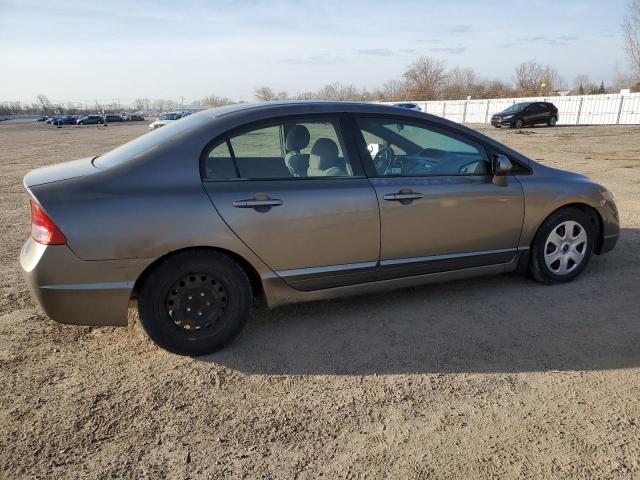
[(552, 121), (562, 247), (195, 302)]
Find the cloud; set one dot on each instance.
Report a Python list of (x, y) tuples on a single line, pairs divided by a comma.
[(376, 52), (562, 41), (407, 50), (506, 45), (321, 59), (531, 39), (461, 29), (452, 50)]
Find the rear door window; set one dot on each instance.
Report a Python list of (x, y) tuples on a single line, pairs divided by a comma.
[(291, 148)]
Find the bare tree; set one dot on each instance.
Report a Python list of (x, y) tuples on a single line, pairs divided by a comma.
[(265, 94), (459, 83), (141, 104), (215, 101), (392, 91), (425, 78), (532, 78), (159, 104), (551, 81), (528, 77), (631, 35), (44, 102)]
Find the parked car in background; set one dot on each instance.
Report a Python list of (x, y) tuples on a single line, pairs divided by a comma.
[(285, 200), (408, 106), (111, 117), (67, 120), (134, 117), (522, 114), (40, 119), (90, 120), (49, 119), (166, 118)]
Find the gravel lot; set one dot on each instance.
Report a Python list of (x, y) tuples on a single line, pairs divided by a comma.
[(496, 377)]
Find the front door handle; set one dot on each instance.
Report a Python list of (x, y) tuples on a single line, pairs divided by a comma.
[(400, 196), (257, 203)]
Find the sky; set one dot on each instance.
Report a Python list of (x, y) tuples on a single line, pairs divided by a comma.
[(116, 50)]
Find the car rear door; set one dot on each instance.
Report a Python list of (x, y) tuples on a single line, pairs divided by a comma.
[(315, 227), (439, 207)]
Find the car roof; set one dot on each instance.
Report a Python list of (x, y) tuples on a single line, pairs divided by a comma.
[(279, 107)]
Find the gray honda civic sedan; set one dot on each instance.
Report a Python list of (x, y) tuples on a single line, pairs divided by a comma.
[(295, 201)]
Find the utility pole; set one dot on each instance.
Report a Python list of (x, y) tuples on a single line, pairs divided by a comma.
[(181, 102)]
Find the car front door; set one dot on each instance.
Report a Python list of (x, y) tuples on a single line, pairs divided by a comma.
[(295, 193), (440, 209)]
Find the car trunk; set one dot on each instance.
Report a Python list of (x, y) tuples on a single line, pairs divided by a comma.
[(60, 171)]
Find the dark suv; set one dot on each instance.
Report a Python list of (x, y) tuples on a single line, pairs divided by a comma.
[(526, 113)]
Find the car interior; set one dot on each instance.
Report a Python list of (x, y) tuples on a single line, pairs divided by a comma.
[(404, 149), (293, 149)]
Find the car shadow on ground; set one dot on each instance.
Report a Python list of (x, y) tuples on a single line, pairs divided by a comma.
[(505, 323)]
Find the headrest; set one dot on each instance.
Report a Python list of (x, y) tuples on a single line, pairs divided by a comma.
[(324, 154), (297, 138)]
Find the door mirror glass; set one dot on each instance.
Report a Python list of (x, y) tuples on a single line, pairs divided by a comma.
[(501, 165)]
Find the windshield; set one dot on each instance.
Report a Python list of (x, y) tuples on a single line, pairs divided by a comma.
[(147, 141), (169, 116), (516, 107)]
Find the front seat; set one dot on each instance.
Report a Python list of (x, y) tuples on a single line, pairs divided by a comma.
[(297, 140), (324, 160)]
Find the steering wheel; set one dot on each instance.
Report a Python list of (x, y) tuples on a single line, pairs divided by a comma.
[(384, 156)]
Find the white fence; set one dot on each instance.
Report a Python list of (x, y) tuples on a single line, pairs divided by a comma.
[(606, 109)]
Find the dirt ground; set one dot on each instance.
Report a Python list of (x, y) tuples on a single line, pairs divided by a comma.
[(496, 377)]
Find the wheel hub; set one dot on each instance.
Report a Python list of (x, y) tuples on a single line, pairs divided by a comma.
[(565, 247), (196, 302)]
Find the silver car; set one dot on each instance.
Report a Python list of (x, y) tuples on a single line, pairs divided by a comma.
[(295, 201)]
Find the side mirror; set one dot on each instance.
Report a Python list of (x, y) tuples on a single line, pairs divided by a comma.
[(501, 165)]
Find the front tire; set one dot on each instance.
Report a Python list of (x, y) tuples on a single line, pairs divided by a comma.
[(195, 302), (518, 124), (562, 247)]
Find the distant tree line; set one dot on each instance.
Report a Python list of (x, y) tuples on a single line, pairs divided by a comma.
[(428, 79)]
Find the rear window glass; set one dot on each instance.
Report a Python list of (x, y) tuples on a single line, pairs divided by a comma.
[(149, 140)]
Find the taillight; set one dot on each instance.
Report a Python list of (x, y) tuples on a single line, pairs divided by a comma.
[(43, 230)]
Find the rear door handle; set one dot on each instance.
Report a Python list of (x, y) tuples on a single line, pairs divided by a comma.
[(256, 203), (400, 196)]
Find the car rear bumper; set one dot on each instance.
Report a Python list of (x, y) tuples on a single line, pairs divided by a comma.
[(78, 292)]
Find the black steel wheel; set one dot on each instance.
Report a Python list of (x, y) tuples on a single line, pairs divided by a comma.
[(195, 302)]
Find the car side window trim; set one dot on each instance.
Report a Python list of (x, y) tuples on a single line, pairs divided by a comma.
[(233, 157), (368, 161), (225, 137)]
